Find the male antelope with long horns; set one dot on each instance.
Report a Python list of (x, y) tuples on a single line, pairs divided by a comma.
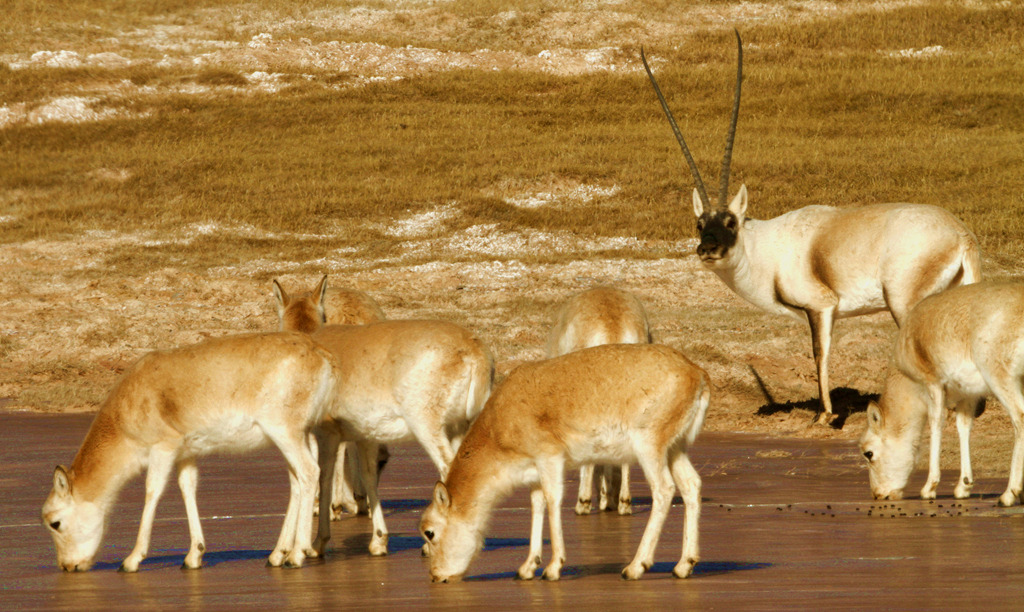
[(822, 262)]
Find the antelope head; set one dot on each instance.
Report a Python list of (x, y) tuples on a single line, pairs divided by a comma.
[(890, 442), (452, 539), (719, 226), (76, 527)]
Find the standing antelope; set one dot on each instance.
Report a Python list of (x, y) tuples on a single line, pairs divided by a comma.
[(824, 263), (956, 347), (307, 311), (609, 403), (602, 315), (399, 380), (229, 394)]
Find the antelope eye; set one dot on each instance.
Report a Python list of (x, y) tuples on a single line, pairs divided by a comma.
[(429, 535), (700, 225), (730, 223), (55, 525), (868, 455)]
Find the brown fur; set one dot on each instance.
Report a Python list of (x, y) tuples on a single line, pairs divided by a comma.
[(571, 409), (227, 394)]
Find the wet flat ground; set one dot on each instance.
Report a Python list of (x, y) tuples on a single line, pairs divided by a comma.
[(785, 524)]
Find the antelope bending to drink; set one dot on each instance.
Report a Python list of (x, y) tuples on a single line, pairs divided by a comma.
[(611, 403), (602, 315), (822, 263), (955, 348), (399, 381), (229, 394), (307, 311)]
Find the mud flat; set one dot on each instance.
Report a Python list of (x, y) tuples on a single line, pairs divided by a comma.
[(786, 524)]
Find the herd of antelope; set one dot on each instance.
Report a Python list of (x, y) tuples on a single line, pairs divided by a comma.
[(339, 382)]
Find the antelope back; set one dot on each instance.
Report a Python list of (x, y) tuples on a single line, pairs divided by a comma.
[(954, 335), (603, 315), (412, 363), (651, 391)]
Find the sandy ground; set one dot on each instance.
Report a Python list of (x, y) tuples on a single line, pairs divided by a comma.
[(69, 326)]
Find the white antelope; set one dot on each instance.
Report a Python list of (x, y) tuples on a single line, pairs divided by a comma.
[(307, 311), (602, 315), (399, 380), (955, 348), (821, 263), (609, 403), (229, 394)]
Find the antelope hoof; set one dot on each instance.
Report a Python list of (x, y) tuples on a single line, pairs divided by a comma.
[(1009, 498), (294, 561), (684, 568), (131, 564), (527, 569), (928, 491), (822, 418), (962, 491), (425, 551), (583, 506), (192, 562), (633, 571), (625, 507), (379, 546), (126, 568), (552, 574), (276, 558)]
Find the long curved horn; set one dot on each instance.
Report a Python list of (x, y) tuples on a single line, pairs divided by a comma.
[(679, 135), (723, 193)]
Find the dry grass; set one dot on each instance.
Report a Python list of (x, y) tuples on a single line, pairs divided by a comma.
[(162, 160)]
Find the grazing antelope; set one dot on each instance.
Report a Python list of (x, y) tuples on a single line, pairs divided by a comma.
[(307, 311), (609, 403), (229, 394), (822, 263), (400, 380), (602, 315), (955, 348)]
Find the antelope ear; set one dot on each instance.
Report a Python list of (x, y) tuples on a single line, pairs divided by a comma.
[(61, 482), (321, 293), (698, 205), (442, 499), (281, 298), (874, 415), (738, 206)]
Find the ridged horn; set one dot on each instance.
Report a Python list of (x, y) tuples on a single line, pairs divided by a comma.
[(723, 193), (679, 135)]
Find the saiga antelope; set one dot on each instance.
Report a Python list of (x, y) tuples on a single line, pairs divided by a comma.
[(229, 394), (956, 347), (307, 311), (822, 263), (610, 403), (602, 315), (400, 380)]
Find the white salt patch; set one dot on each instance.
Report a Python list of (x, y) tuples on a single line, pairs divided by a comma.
[(933, 51), (581, 193), (261, 41), (57, 59), (422, 223)]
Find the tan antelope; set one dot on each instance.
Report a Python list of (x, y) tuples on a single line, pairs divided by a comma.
[(307, 311), (956, 347), (602, 315), (400, 380), (230, 394), (822, 263), (611, 403)]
